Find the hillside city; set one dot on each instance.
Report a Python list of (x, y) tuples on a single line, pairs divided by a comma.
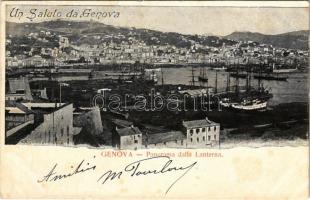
[(53, 48), (56, 71)]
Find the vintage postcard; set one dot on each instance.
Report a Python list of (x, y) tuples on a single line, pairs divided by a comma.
[(154, 100)]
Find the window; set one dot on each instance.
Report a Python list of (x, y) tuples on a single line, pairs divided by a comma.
[(191, 131), (49, 136), (204, 138), (191, 139), (181, 142), (176, 141), (62, 132), (215, 137), (203, 129), (164, 143), (209, 129), (209, 137), (197, 139), (214, 128), (136, 141), (197, 130), (68, 130)]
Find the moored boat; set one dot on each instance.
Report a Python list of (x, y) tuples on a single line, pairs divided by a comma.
[(246, 105), (270, 77)]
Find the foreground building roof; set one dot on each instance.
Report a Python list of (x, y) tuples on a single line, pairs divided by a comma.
[(199, 123), (128, 131)]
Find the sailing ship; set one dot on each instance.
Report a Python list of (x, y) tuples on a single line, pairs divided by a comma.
[(269, 76), (202, 76), (250, 100), (192, 81), (152, 74), (283, 70), (235, 75), (223, 68), (245, 104), (153, 77)]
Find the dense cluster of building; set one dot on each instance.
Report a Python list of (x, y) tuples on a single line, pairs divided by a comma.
[(34, 120), (195, 134), (58, 50), (29, 120)]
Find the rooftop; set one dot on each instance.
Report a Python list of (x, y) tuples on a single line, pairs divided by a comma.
[(128, 131), (165, 137), (194, 92), (31, 105), (122, 123), (13, 107), (14, 110), (19, 84), (199, 123)]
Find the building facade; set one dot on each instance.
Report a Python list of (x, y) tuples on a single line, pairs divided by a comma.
[(127, 138), (56, 128), (201, 133), (17, 116), (171, 139), (18, 89)]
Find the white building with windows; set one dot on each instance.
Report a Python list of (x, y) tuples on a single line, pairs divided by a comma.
[(201, 133), (56, 128), (127, 138)]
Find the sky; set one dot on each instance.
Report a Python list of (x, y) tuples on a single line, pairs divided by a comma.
[(187, 20)]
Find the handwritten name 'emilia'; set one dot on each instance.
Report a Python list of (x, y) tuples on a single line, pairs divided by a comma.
[(35, 13)]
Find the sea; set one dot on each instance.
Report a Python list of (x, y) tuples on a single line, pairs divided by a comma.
[(295, 89)]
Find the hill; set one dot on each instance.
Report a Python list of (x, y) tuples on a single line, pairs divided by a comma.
[(86, 32), (290, 40)]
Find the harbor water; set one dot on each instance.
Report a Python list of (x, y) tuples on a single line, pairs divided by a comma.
[(295, 89)]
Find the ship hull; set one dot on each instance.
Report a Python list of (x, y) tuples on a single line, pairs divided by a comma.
[(284, 70), (241, 107), (272, 78)]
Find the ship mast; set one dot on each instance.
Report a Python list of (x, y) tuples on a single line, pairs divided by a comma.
[(200, 76), (259, 76), (215, 89), (228, 82), (153, 75), (248, 78), (162, 76), (237, 78), (193, 76)]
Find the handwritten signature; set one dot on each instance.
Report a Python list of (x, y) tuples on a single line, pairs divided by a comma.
[(134, 169), (53, 176)]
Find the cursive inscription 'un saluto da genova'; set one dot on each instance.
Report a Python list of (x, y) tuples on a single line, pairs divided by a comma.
[(143, 167), (137, 168)]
